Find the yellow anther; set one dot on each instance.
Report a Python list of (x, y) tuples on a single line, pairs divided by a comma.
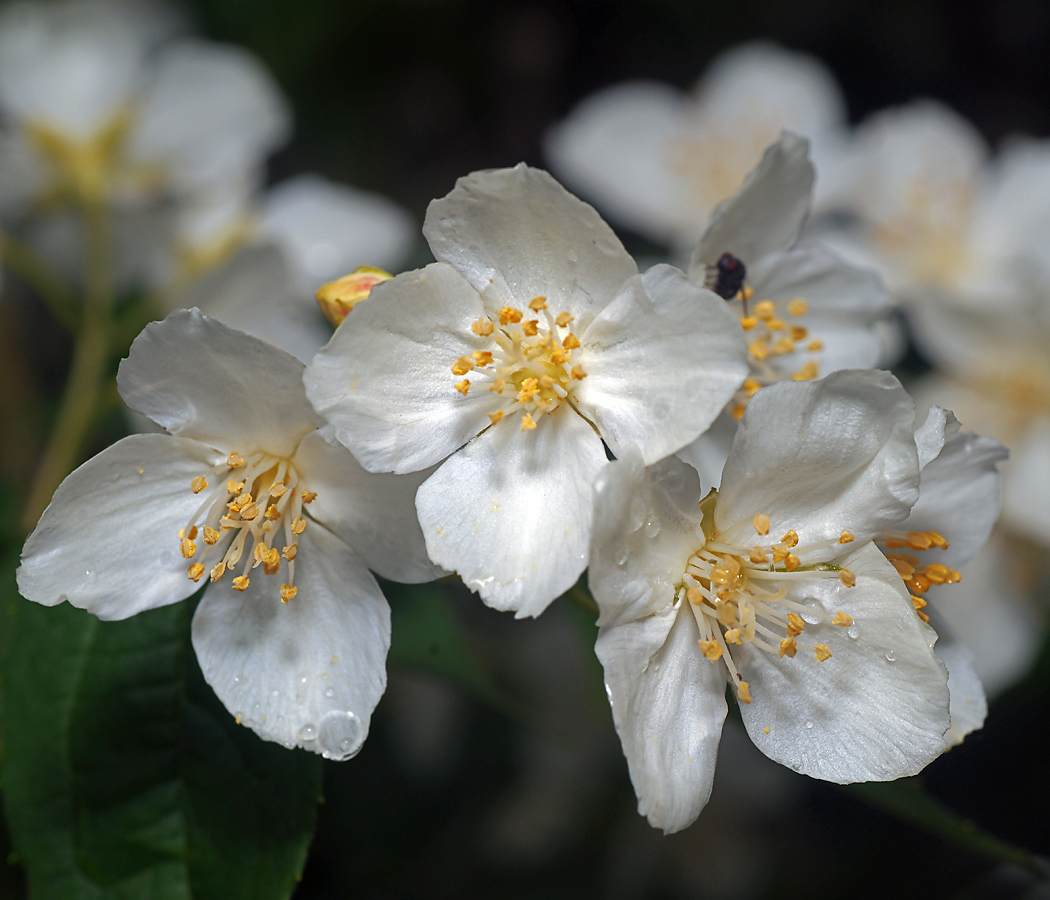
[(896, 544), (743, 691), (797, 307), (761, 523), (260, 552), (752, 387), (847, 578), (218, 571), (233, 460), (298, 525), (526, 423), (937, 539), (953, 577), (720, 575), (508, 315), (726, 612), (748, 322), (571, 342), (199, 484), (842, 619), (758, 556), (482, 358), (192, 535), (780, 553), (822, 652), (846, 537), (746, 292), (792, 562), (919, 584), (815, 345), (211, 536), (538, 303), (234, 487), (196, 571), (483, 327), (578, 373), (288, 592), (529, 388), (775, 324), (765, 310), (693, 595), (463, 386), (272, 561), (913, 561), (277, 489), (922, 615), (531, 327), (241, 582), (759, 349), (338, 297), (188, 548), (790, 539), (497, 386), (289, 552), (733, 636), (905, 569), (309, 496), (783, 346), (808, 372), (496, 417), (564, 318), (798, 333), (795, 625), (917, 602), (788, 648), (712, 650), (462, 365), (249, 512), (272, 512), (558, 357), (919, 540), (738, 410)]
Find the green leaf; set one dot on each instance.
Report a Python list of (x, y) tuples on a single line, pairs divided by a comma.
[(126, 778)]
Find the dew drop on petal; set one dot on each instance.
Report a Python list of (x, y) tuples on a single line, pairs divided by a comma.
[(329, 692), (621, 557), (853, 632), (809, 725), (891, 656), (652, 527), (308, 732), (637, 514), (340, 735)]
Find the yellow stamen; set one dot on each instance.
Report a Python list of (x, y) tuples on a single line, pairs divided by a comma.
[(571, 342), (712, 650), (309, 496), (846, 537), (788, 648), (273, 513), (749, 322), (758, 556), (234, 487), (211, 536), (761, 522), (298, 525), (796, 625), (233, 460), (289, 552), (765, 310), (822, 652), (752, 387), (496, 416), (497, 386), (218, 571), (792, 562), (733, 636), (808, 372), (196, 571), (463, 386), (538, 303), (199, 484), (790, 539), (759, 349), (188, 548), (743, 691), (564, 318), (797, 307), (288, 592), (847, 578), (241, 582), (482, 358), (483, 327), (526, 423), (578, 373), (842, 619), (531, 327), (462, 365)]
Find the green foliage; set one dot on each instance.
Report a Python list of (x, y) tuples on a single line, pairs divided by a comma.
[(126, 778)]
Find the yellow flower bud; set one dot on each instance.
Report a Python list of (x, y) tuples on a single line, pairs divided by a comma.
[(337, 298)]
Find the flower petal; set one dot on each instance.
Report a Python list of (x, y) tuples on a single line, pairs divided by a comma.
[(668, 706), (516, 234), (709, 452), (373, 513), (968, 704), (511, 511), (662, 361), (630, 574), (385, 379), (877, 709), (307, 673), (109, 541), (328, 229), (823, 457), (764, 216), (198, 378)]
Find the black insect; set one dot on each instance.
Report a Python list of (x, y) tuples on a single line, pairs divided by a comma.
[(729, 273)]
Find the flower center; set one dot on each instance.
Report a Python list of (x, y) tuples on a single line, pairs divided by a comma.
[(529, 364), (738, 593), (85, 167), (918, 577), (258, 499)]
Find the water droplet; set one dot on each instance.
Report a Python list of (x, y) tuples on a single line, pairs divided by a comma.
[(652, 527), (572, 256), (854, 632), (341, 735), (276, 694), (329, 692), (809, 725), (891, 656), (637, 514), (308, 732), (621, 557), (89, 577)]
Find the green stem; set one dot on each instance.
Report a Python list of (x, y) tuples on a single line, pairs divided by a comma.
[(581, 597), (80, 397), (23, 261)]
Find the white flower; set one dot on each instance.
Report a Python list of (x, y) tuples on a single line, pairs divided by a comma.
[(773, 583), (88, 110), (245, 491), (531, 342), (659, 161)]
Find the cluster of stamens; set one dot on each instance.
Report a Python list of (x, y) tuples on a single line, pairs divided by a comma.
[(770, 335), (918, 577), (260, 500), (530, 363), (738, 595)]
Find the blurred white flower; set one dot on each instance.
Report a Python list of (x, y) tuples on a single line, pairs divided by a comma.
[(247, 493), (835, 672), (528, 344), (659, 161)]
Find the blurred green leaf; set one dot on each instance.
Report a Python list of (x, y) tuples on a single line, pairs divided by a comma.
[(126, 778)]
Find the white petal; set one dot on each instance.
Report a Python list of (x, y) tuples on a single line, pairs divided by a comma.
[(877, 709), (511, 511), (938, 425), (668, 706), (329, 229), (1026, 483), (662, 361), (109, 541), (385, 379), (307, 673), (646, 526), (765, 215), (968, 704), (373, 513), (822, 457), (616, 149), (197, 378), (516, 234), (212, 110), (709, 452)]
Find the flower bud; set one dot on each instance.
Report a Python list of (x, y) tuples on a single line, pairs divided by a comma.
[(337, 298)]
